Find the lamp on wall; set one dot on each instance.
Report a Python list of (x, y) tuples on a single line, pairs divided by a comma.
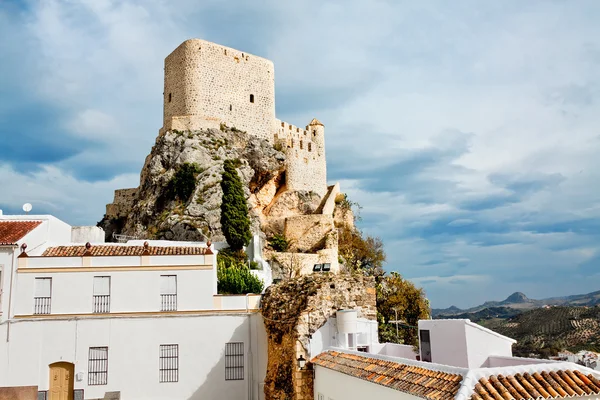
[(301, 362)]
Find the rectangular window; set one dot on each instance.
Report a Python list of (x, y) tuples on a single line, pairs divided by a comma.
[(168, 293), (234, 361), (101, 294), (43, 295), (98, 366), (168, 363)]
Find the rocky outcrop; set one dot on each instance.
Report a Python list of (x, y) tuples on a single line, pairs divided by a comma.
[(154, 215), (293, 310)]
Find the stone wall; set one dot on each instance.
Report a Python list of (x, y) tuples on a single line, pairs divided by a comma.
[(210, 84), (295, 309), (306, 167), (293, 265), (307, 233), (329, 203), (122, 203), (19, 393)]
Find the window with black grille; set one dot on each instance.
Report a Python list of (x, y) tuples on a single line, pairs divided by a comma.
[(234, 361), (168, 367), (98, 366)]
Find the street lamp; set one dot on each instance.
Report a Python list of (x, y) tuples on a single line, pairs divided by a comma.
[(301, 361)]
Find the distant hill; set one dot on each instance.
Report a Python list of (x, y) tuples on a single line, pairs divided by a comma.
[(545, 331), (519, 302)]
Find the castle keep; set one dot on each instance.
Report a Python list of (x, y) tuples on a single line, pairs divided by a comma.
[(207, 85), (216, 101)]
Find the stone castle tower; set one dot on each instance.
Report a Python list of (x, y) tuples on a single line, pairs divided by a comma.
[(207, 85)]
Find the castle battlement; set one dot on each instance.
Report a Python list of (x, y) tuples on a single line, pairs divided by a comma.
[(207, 85)]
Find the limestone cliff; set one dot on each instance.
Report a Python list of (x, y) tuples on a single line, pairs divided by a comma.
[(147, 212)]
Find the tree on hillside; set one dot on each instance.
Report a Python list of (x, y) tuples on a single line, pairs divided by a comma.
[(359, 253), (399, 297), (234, 209)]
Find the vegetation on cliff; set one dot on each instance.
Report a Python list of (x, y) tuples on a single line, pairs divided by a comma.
[(182, 184), (397, 298), (234, 208), (400, 300), (234, 277)]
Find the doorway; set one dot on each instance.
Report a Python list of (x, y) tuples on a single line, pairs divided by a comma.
[(61, 381)]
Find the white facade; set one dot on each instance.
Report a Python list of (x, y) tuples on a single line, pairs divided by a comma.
[(133, 354), (50, 230), (461, 343), (147, 325), (327, 336)]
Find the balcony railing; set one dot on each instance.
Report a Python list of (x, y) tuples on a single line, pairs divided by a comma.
[(101, 303), (41, 305), (168, 302)]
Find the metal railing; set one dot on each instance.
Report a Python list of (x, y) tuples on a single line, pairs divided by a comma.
[(101, 303), (41, 305), (168, 302)]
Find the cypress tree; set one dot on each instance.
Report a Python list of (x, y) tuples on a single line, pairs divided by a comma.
[(234, 210)]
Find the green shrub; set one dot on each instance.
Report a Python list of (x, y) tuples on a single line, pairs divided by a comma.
[(234, 209), (236, 278), (254, 265), (182, 184), (279, 242)]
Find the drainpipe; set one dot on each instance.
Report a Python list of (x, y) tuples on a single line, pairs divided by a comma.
[(10, 293)]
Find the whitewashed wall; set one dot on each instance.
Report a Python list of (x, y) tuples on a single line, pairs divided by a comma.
[(51, 229), (395, 350), (448, 341), (337, 386), (481, 344), (134, 354), (326, 336), (131, 291)]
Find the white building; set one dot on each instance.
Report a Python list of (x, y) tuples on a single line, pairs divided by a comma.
[(141, 318), (460, 360)]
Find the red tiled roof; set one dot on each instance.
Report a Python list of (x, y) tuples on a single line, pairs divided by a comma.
[(553, 384), (410, 379), (112, 250), (12, 231)]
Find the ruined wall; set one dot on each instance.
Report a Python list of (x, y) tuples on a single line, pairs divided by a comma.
[(206, 84), (307, 233), (122, 203), (295, 309), (293, 265), (306, 167)]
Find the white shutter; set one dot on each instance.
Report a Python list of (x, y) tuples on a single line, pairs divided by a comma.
[(43, 287), (168, 284), (101, 285)]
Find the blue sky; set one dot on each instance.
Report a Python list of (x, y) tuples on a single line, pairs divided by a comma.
[(468, 131)]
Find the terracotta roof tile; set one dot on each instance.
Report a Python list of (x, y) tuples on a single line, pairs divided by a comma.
[(12, 231), (551, 384), (411, 379), (112, 250)]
